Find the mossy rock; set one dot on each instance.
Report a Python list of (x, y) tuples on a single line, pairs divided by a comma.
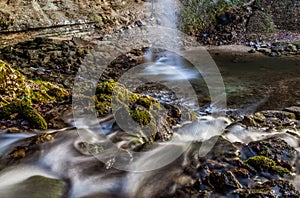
[(36, 187), (17, 94), (138, 114), (43, 91), (12, 82), (13, 86), (24, 110), (262, 163)]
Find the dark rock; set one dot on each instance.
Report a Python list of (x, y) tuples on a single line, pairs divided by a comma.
[(278, 114), (223, 182), (295, 110), (218, 152), (270, 189), (252, 51), (140, 23)]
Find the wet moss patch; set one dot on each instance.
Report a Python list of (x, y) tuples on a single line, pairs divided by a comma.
[(262, 163)]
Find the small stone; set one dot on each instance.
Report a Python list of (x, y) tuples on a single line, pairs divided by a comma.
[(252, 51), (140, 23), (13, 130), (295, 110)]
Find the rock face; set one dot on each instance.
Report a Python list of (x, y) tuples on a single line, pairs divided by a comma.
[(45, 59), (75, 16)]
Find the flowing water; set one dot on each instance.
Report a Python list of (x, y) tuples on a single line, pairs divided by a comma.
[(115, 172)]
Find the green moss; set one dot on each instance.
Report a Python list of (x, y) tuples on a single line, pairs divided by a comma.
[(12, 82), (13, 86), (262, 163), (96, 18), (25, 111), (111, 90), (197, 15), (42, 91), (142, 117), (104, 96), (106, 87)]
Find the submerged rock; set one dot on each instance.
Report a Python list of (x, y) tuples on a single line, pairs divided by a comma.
[(43, 187)]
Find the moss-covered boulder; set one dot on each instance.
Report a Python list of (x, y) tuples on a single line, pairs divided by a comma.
[(24, 110), (134, 112)]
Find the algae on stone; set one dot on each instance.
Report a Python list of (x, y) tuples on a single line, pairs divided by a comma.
[(262, 163)]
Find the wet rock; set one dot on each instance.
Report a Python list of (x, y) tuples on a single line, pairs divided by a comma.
[(275, 149), (27, 147), (218, 152), (272, 189), (252, 51), (45, 59), (89, 148), (278, 114), (43, 186), (140, 23), (13, 130), (271, 119), (134, 113), (265, 164), (223, 182), (295, 110)]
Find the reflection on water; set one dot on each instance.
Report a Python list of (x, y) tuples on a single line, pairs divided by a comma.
[(170, 68)]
